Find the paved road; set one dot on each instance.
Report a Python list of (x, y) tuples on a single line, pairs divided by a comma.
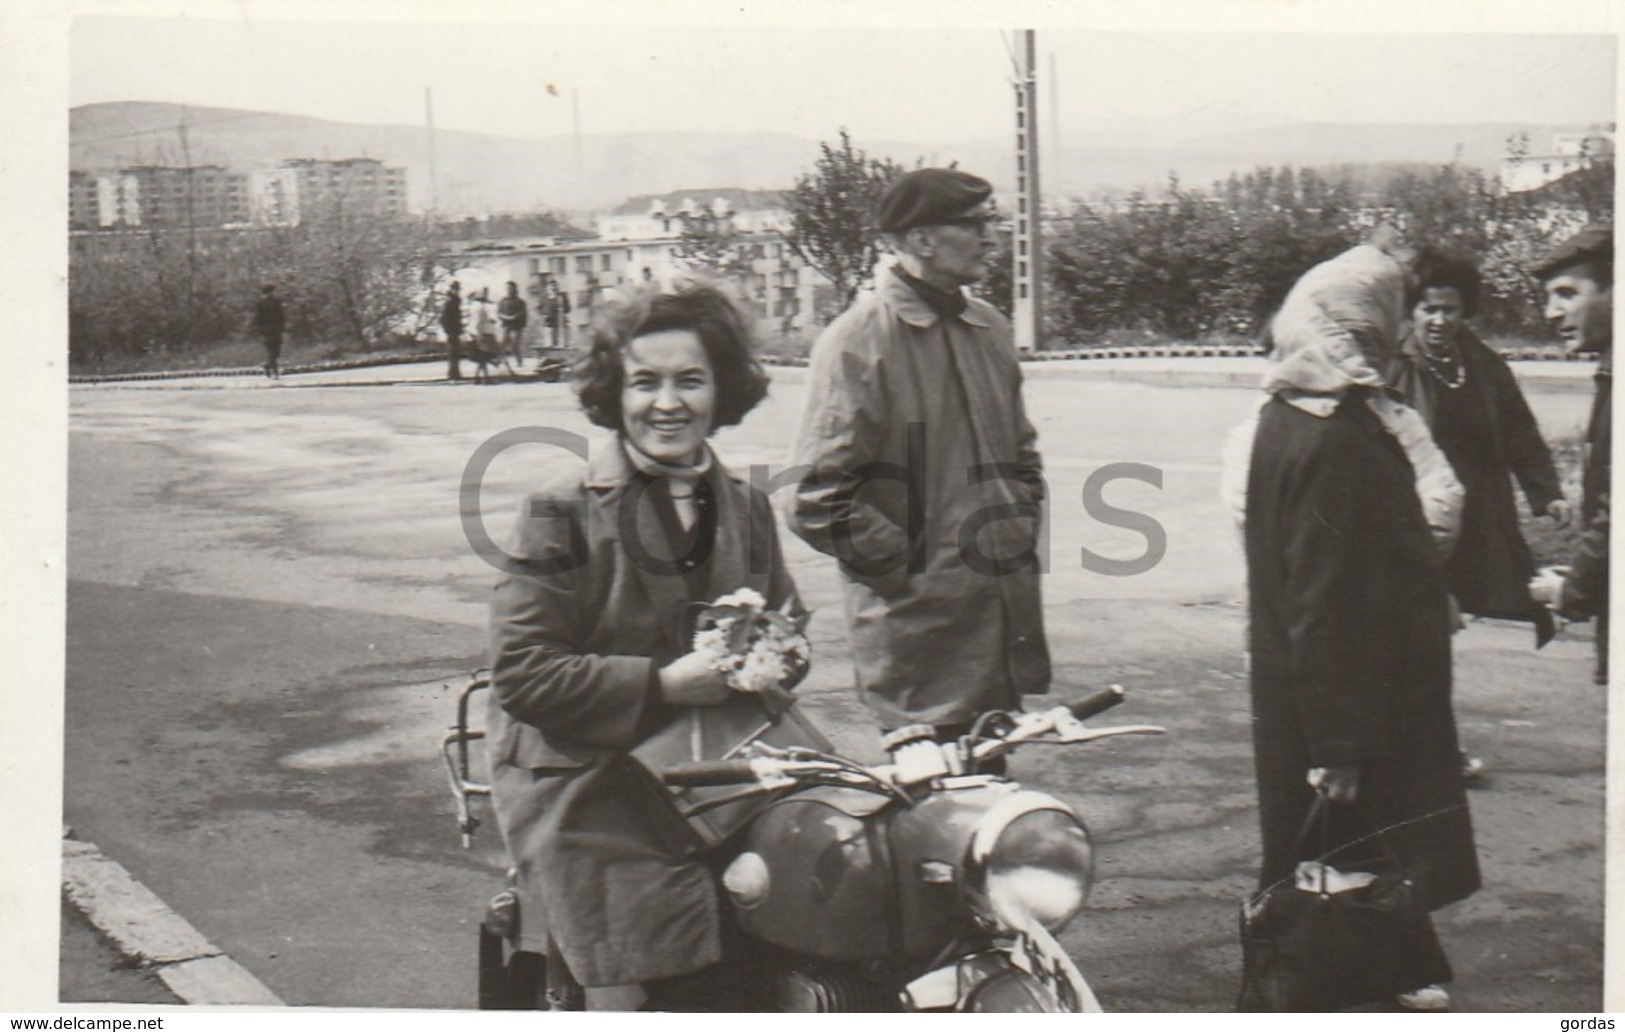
[(269, 587)]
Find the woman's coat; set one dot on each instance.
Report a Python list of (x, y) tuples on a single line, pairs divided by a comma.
[(1350, 644), (589, 606)]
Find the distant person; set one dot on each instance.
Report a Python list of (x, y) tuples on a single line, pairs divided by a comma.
[(269, 322), (939, 562), (485, 322), (451, 322), (513, 313), (555, 309), (1579, 281)]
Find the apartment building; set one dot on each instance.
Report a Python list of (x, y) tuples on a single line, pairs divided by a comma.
[(641, 241), (1569, 152)]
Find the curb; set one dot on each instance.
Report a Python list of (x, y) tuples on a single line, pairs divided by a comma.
[(145, 929), (337, 365)]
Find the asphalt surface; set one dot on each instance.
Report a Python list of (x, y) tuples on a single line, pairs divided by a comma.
[(272, 603)]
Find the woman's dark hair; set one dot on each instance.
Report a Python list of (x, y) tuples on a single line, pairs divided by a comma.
[(1439, 268), (721, 327)]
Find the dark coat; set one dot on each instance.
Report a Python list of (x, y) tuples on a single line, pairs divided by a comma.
[(270, 318), (578, 629), (451, 317), (513, 313), (1350, 640), (1585, 590), (919, 463), (1487, 432)]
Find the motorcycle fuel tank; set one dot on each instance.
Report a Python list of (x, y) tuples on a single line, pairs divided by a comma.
[(822, 886), (847, 875)]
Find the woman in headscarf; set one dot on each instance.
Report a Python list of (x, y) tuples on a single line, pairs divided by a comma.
[(1350, 618)]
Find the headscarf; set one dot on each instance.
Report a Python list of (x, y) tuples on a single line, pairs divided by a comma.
[(1338, 324)]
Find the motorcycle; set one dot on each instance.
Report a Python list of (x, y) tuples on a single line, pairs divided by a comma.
[(929, 883)]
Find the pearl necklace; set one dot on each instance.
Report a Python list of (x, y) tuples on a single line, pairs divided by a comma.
[(1437, 367)]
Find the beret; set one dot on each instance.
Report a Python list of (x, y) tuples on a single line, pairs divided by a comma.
[(929, 196), (1593, 243)]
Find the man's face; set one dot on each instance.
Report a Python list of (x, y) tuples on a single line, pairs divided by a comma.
[(1580, 309), (956, 253)]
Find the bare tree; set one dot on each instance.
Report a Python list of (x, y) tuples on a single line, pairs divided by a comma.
[(832, 215)]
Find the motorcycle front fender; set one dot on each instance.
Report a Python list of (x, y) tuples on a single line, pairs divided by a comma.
[(997, 982)]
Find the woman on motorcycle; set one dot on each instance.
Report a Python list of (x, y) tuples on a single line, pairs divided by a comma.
[(591, 643)]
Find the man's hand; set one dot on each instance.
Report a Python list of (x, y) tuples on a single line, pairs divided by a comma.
[(1560, 511), (1546, 586), (1341, 784), (692, 681)]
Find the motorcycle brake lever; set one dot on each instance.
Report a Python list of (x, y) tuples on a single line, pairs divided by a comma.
[(1069, 736)]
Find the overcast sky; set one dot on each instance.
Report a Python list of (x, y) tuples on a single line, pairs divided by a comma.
[(922, 83)]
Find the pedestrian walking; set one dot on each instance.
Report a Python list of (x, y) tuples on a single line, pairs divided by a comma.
[(269, 321)]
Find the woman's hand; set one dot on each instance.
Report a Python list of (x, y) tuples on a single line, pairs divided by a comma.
[(692, 681)]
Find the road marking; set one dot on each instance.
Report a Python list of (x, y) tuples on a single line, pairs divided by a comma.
[(144, 928)]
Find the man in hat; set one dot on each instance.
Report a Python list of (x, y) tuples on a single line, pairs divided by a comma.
[(1579, 281), (917, 470)]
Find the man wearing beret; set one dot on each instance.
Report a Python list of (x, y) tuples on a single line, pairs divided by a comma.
[(1579, 281), (918, 471)]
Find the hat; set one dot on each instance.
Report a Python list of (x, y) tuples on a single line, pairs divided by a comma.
[(928, 197), (1593, 243)]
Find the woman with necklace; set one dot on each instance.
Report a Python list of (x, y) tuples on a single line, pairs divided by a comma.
[(1466, 393), (1479, 418)]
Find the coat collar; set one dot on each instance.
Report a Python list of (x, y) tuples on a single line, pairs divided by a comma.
[(608, 468), (912, 309), (609, 471)]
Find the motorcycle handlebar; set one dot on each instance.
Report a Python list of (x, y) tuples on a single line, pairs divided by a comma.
[(709, 772), (1098, 702)]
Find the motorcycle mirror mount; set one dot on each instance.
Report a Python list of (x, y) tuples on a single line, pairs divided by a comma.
[(916, 753)]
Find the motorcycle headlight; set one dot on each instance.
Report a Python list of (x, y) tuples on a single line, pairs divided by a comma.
[(1030, 859)]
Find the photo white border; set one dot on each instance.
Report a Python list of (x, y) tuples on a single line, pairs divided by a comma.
[(33, 269)]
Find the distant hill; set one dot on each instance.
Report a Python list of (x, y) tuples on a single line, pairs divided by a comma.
[(475, 172), (479, 173)]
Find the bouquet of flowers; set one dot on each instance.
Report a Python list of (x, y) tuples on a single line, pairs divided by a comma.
[(760, 649)]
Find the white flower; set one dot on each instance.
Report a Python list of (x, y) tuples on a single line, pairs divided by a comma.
[(743, 597), (762, 668), (756, 649), (712, 642)]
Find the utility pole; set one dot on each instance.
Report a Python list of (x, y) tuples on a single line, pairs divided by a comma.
[(428, 115), (1027, 246), (191, 224)]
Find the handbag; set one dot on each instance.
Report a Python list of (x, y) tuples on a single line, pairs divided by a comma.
[(1327, 938)]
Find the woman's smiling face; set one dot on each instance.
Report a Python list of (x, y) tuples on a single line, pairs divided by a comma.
[(668, 395)]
